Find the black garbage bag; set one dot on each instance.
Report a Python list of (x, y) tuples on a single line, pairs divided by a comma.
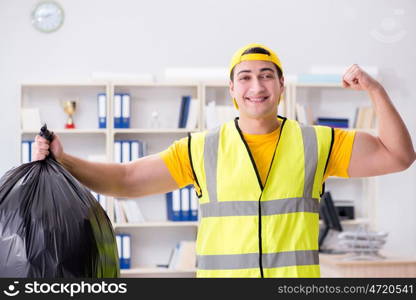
[(52, 226)]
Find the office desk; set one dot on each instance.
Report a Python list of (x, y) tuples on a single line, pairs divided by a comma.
[(334, 265)]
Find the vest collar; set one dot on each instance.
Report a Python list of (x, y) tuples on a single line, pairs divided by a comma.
[(253, 163)]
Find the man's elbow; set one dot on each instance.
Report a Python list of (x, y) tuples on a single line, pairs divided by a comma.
[(405, 162)]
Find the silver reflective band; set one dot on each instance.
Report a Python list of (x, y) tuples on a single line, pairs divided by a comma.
[(250, 208), (212, 139), (310, 148), (251, 260)]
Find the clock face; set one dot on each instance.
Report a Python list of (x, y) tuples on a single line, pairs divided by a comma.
[(48, 16)]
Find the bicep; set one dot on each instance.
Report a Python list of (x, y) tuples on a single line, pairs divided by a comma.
[(147, 175), (370, 157)]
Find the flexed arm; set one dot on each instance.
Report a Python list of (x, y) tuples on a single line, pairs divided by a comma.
[(392, 150)]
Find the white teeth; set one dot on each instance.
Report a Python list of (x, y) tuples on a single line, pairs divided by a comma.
[(257, 99)]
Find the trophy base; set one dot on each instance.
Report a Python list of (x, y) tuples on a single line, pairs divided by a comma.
[(69, 126)]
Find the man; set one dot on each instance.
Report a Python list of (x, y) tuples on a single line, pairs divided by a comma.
[(259, 177)]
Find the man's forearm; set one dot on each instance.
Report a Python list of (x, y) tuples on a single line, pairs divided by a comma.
[(103, 178), (392, 130)]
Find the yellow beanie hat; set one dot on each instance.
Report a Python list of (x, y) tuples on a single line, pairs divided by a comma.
[(239, 57)]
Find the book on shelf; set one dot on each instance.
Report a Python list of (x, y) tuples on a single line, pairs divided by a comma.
[(125, 111), (184, 111), (333, 122), (122, 109), (365, 118), (27, 151), (183, 256), (303, 114), (102, 110), (123, 241), (117, 111), (192, 120), (127, 211), (182, 204), (188, 113)]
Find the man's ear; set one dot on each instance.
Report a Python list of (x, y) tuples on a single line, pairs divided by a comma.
[(231, 87), (282, 81)]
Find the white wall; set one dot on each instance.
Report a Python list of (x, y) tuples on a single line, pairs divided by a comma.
[(148, 36)]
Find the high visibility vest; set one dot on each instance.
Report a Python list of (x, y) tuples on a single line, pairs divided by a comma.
[(248, 229)]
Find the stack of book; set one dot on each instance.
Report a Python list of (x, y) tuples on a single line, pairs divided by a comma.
[(182, 205)]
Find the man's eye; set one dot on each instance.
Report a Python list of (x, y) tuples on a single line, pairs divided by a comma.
[(268, 76), (244, 78)]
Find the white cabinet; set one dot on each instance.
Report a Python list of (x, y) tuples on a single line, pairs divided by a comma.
[(154, 120)]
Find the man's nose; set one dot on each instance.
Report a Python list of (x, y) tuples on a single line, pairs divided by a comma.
[(256, 86)]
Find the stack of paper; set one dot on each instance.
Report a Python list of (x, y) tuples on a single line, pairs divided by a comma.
[(362, 244)]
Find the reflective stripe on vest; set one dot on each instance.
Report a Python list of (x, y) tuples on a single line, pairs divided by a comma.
[(251, 260)]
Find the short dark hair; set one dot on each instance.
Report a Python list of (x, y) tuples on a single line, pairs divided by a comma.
[(257, 50)]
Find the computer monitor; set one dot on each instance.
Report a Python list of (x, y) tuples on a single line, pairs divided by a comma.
[(329, 216)]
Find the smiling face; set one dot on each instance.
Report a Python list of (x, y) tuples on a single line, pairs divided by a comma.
[(256, 88)]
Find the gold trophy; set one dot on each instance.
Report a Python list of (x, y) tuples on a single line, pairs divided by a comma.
[(69, 108)]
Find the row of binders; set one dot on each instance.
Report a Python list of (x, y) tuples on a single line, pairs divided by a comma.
[(27, 151), (124, 250), (182, 204), (188, 113), (121, 110), (129, 150)]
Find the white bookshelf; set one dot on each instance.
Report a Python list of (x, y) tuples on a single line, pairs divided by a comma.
[(154, 239)]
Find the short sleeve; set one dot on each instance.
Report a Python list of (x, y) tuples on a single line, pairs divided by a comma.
[(339, 159), (176, 158)]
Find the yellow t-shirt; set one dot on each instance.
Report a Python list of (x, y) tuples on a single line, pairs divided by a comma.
[(262, 147)]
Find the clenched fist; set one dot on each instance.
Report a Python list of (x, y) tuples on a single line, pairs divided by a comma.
[(42, 148), (357, 79)]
